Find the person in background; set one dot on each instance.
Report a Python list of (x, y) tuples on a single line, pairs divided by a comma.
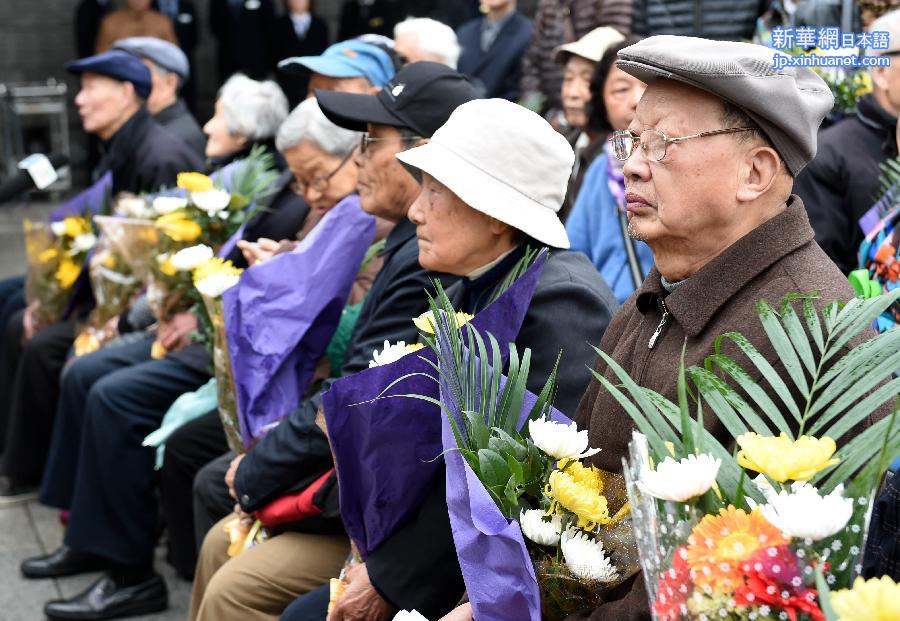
[(422, 38), (136, 19), (841, 183), (597, 225), (183, 14), (579, 60), (557, 22), (723, 20), (492, 49), (359, 17), (170, 70), (243, 29), (88, 16), (298, 32)]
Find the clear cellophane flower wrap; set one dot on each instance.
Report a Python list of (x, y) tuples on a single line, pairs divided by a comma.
[(228, 408), (53, 266), (134, 240), (733, 563), (564, 592), (114, 287)]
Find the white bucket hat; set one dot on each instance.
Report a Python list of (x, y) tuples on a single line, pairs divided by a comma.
[(505, 161)]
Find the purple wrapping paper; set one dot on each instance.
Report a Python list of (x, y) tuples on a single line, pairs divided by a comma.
[(281, 315), (89, 200), (386, 450), (495, 563)]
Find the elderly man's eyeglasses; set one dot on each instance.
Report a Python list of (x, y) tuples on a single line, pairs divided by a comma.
[(320, 182), (654, 142), (366, 140)]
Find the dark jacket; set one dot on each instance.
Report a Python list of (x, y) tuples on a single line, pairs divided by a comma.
[(88, 16), (284, 43), (243, 32), (378, 17), (777, 258), (725, 20), (178, 120), (417, 568), (496, 72), (562, 21), (297, 446), (143, 156), (840, 184)]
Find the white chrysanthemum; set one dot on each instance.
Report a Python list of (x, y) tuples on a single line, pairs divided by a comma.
[(392, 352), (539, 530), (188, 259), (409, 615), (211, 201), (560, 441), (585, 557), (215, 285), (58, 228), (167, 204), (680, 480), (133, 207), (803, 513), (83, 242)]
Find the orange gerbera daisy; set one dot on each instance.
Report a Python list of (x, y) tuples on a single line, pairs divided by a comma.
[(719, 543)]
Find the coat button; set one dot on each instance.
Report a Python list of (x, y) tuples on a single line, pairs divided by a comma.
[(245, 499)]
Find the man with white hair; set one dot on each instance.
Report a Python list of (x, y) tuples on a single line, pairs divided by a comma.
[(422, 38), (841, 183)]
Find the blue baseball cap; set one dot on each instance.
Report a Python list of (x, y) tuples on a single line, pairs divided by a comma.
[(347, 59), (117, 65)]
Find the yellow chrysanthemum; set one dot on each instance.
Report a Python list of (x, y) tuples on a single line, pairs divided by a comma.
[(158, 351), (719, 543), (67, 273), (109, 262), (783, 459), (580, 490), (86, 343), (178, 228), (166, 267), (415, 346), (425, 321), (73, 227), (194, 182), (215, 267), (877, 599), (48, 255)]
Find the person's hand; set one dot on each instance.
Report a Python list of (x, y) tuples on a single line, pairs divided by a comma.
[(111, 329), (232, 472), (245, 518), (176, 333), (460, 613), (261, 250), (360, 601), (30, 321)]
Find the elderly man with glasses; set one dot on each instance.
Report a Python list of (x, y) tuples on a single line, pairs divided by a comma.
[(710, 160)]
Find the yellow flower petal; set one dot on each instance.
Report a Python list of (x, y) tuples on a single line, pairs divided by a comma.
[(783, 459), (179, 229), (157, 351), (67, 273), (877, 599), (194, 182), (579, 490), (74, 227), (48, 255), (425, 321)]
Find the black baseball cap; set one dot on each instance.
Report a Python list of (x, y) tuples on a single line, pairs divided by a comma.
[(421, 97)]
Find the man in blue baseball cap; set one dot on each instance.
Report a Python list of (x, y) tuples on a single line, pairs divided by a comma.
[(169, 71), (353, 66)]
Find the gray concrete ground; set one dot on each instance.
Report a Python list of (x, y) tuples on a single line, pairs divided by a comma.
[(32, 529)]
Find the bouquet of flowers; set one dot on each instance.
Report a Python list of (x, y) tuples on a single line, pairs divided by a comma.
[(55, 254), (577, 541), (211, 279), (763, 533)]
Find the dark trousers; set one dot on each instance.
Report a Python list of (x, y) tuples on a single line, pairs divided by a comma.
[(310, 607), (212, 501), (191, 447), (114, 512), (33, 401), (75, 384), (12, 298), (10, 352)]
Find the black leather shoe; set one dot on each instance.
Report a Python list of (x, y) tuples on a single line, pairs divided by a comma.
[(64, 561), (105, 600)]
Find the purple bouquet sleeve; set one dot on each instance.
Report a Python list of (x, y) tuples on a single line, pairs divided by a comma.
[(387, 450), (87, 201), (281, 315)]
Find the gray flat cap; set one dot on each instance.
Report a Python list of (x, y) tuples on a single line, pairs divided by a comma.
[(167, 55), (787, 104)]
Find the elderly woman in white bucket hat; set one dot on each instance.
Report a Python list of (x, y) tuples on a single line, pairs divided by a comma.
[(493, 180)]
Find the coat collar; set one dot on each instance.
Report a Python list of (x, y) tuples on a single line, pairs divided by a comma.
[(694, 304), (170, 113), (129, 137), (399, 235)]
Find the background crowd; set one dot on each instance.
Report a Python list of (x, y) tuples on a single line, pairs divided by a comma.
[(378, 119)]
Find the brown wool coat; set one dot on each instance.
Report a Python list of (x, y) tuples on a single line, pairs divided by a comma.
[(777, 258), (125, 22)]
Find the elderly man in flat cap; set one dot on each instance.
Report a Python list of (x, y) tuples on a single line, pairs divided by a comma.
[(710, 159)]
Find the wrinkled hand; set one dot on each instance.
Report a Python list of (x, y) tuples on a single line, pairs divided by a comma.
[(460, 613), (176, 333), (30, 321), (232, 472), (261, 250), (360, 601)]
